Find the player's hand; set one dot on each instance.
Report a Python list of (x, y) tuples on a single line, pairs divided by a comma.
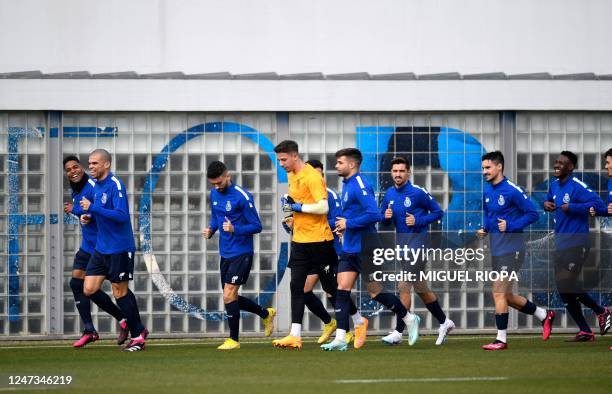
[(340, 225), (289, 205), (207, 232), (481, 233), (68, 207), (565, 207), (85, 203), (228, 226), (288, 224), (610, 209), (592, 211), (85, 219), (388, 212), (501, 225), (549, 206), (410, 220)]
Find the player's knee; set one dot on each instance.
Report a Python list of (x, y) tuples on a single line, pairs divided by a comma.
[(89, 290), (499, 296), (119, 291), (230, 294)]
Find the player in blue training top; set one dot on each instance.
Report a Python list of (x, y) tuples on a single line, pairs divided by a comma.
[(507, 212), (233, 213), (571, 199), (607, 210), (605, 320), (113, 256), (411, 209), (312, 302), (82, 186), (357, 227)]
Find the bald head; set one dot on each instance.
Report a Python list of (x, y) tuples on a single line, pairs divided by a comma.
[(99, 164), (104, 155)]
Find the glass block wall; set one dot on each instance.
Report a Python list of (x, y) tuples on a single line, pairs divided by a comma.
[(180, 207)]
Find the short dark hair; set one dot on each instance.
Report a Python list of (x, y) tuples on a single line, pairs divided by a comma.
[(400, 160), (286, 146), (70, 158), (315, 163), (352, 153), (608, 153), (495, 156), (571, 156), (215, 169)]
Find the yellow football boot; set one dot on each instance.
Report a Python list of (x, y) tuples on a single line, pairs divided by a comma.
[(269, 321), (229, 344), (328, 330), (288, 342)]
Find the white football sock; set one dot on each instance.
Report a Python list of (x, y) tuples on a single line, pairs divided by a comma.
[(357, 319), (296, 330), (340, 335), (502, 335), (540, 313)]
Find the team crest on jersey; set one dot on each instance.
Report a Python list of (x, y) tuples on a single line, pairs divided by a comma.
[(228, 206), (501, 200), (345, 197), (566, 198), (407, 202), (487, 199), (104, 198)]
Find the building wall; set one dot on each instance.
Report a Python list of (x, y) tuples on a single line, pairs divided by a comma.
[(241, 36), (161, 157)]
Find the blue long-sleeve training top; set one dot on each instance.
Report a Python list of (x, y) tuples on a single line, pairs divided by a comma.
[(335, 209), (236, 205), (360, 210), (572, 228), (416, 201), (509, 202), (111, 211), (90, 230), (604, 211)]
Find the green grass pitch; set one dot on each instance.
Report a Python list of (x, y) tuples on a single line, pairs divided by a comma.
[(195, 366)]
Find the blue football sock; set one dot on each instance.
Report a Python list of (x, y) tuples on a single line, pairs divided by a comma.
[(501, 321), (573, 308), (314, 304), (104, 302), (590, 303), (233, 318), (437, 312), (82, 303), (249, 305), (128, 306), (529, 308), (343, 307), (392, 303)]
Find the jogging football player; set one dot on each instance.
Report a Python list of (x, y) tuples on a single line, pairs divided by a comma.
[(605, 320), (357, 226), (571, 200), (507, 212), (312, 241), (233, 213), (113, 256), (411, 209), (82, 186)]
